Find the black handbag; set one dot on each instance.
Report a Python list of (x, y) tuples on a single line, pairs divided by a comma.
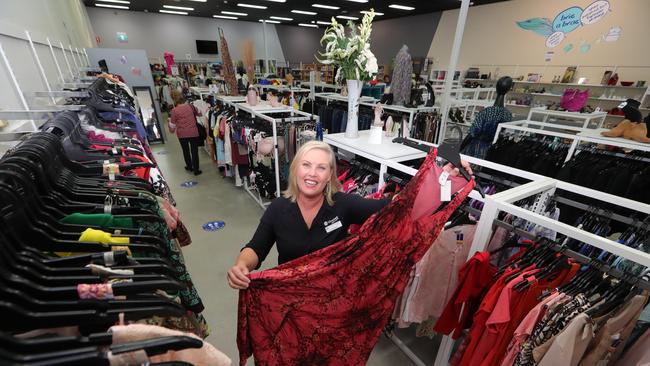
[(203, 134)]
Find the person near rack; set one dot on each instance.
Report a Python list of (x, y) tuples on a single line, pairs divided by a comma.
[(312, 210), (182, 121)]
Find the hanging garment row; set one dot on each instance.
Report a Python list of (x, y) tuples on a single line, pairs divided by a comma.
[(616, 172), (242, 146), (91, 239)]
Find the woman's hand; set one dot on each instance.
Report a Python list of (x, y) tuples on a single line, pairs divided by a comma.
[(454, 171), (238, 277)]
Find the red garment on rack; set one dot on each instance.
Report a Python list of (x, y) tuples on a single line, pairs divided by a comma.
[(473, 279), (329, 307)]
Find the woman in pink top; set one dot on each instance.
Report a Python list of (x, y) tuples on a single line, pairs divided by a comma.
[(183, 123)]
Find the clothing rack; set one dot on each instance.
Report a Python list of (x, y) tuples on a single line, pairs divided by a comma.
[(265, 112), (584, 135), (615, 272)]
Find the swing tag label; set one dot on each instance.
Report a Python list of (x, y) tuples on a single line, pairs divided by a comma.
[(445, 187)]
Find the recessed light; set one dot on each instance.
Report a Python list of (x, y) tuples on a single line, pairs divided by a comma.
[(269, 21), (323, 23), (282, 18), (177, 7), (224, 17), (303, 12), (346, 17), (278, 1), (234, 13), (199, 1), (308, 25), (251, 6), (173, 12), (359, 1), (367, 12), (116, 1), (325, 6), (401, 7), (112, 6)]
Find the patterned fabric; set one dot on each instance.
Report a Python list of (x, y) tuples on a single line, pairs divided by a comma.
[(99, 291), (228, 68), (329, 307), (401, 81), (551, 324), (483, 129)]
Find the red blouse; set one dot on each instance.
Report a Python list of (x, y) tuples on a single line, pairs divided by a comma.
[(329, 307)]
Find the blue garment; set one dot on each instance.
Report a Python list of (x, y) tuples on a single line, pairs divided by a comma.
[(483, 129), (131, 118)]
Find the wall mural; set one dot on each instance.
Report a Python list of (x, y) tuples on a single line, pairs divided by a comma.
[(555, 31)]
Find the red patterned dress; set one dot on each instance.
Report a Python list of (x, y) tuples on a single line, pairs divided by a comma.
[(329, 307)]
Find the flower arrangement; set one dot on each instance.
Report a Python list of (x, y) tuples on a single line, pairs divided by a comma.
[(351, 53)]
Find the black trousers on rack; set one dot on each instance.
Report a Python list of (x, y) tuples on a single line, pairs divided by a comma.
[(190, 148)]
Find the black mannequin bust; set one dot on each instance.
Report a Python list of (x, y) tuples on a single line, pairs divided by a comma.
[(504, 85), (631, 111)]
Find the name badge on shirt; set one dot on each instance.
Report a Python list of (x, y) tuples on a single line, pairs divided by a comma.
[(332, 225)]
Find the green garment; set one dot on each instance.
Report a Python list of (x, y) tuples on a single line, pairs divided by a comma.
[(99, 220)]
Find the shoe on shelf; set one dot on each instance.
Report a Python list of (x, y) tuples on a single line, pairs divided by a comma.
[(619, 130), (198, 172)]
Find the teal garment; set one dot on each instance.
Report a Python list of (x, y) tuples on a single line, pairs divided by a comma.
[(99, 220)]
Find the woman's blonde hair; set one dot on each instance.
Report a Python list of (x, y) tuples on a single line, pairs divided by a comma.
[(333, 185), (177, 97)]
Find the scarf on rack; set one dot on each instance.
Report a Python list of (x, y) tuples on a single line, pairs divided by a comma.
[(228, 67)]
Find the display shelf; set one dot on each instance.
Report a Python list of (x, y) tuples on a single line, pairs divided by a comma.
[(595, 136), (576, 116)]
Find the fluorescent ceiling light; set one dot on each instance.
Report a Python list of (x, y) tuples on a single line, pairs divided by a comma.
[(308, 25), (278, 1), (173, 12), (303, 12), (346, 17), (269, 21), (199, 1), (112, 6), (224, 17), (359, 1), (116, 1), (282, 18), (325, 6), (251, 6), (176, 7), (401, 7), (368, 12), (234, 13), (323, 23)]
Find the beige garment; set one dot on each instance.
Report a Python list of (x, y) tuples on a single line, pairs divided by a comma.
[(638, 354), (204, 356), (568, 347), (616, 329)]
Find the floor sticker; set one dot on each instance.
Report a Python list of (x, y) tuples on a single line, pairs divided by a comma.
[(189, 184), (213, 225)]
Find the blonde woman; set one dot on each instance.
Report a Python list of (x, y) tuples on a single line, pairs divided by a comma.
[(311, 215)]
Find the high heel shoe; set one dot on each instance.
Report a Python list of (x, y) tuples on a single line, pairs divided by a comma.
[(619, 130)]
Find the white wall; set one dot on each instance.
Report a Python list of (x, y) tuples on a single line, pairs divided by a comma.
[(157, 33), (492, 37), (60, 20)]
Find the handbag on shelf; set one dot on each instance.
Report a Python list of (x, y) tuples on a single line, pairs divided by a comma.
[(574, 99)]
